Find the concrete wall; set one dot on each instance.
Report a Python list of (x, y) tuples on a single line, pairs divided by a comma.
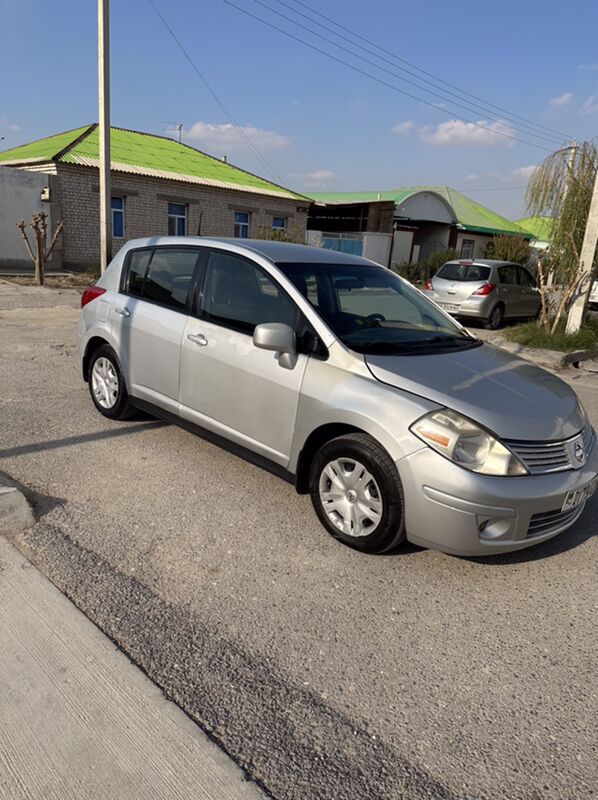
[(20, 198), (401, 249), (210, 210)]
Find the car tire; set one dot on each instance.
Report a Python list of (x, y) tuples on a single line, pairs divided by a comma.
[(107, 385), (496, 318), (348, 504)]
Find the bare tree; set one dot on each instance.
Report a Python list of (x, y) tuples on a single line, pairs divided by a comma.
[(41, 252)]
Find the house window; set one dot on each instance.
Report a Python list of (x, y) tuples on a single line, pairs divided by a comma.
[(118, 217), (279, 223), (241, 224), (177, 219), (467, 248)]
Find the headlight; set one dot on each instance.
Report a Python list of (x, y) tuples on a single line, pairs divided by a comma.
[(466, 444)]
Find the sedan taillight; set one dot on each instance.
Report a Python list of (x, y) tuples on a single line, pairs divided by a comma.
[(90, 294), (485, 290)]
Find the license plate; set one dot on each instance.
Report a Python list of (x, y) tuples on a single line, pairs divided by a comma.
[(450, 307), (576, 497)]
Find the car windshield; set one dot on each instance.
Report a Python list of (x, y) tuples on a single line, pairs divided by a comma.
[(463, 272), (372, 310)]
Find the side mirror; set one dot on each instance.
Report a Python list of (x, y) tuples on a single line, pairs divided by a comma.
[(278, 337)]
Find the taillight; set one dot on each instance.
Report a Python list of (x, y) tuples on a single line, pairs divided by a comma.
[(486, 289), (428, 285), (90, 294)]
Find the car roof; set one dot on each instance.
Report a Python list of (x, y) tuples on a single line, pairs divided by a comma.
[(277, 252)]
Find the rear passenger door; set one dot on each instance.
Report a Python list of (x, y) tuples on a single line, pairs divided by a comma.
[(149, 319), (509, 290), (530, 297)]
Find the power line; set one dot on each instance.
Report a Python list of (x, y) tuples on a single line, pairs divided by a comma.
[(221, 105), (419, 69), (442, 94), (381, 80), (492, 189)]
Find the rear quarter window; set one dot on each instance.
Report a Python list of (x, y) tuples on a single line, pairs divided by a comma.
[(464, 272)]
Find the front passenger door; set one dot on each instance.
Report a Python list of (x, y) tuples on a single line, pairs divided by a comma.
[(227, 385)]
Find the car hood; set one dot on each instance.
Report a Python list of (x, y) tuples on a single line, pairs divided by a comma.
[(509, 396)]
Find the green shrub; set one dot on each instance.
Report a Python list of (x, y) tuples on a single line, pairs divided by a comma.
[(531, 334)]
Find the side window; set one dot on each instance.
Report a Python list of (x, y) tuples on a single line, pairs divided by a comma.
[(169, 276), (138, 264), (525, 279), (508, 275), (240, 296)]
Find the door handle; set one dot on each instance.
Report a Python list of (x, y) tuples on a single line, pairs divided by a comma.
[(198, 338), (122, 312)]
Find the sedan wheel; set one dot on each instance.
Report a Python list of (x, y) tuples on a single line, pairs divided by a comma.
[(357, 494), (104, 383), (107, 386), (496, 318), (350, 497)]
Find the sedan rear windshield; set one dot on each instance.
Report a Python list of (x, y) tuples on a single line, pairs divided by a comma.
[(371, 310), (464, 272)]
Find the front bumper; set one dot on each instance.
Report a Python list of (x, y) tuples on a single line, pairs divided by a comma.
[(450, 509)]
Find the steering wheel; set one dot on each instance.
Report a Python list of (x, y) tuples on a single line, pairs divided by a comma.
[(376, 318)]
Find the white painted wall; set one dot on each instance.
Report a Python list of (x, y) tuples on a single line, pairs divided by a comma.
[(425, 206), (20, 193), (376, 246)]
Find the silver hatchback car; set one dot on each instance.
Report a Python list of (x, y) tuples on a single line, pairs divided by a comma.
[(485, 290), (343, 378)]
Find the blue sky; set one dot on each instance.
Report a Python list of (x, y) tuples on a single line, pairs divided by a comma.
[(318, 124)]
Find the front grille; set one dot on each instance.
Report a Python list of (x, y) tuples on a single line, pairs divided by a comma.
[(550, 521), (543, 457)]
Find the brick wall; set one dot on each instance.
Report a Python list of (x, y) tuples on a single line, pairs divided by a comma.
[(210, 210)]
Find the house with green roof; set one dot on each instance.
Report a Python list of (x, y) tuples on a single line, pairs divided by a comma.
[(540, 228), (406, 224), (159, 187)]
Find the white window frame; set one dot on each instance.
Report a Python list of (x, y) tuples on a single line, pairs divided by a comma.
[(114, 211), (468, 242), (282, 227), (177, 217), (241, 224)]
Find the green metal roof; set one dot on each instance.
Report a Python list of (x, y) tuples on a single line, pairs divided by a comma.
[(144, 154), (469, 215), (539, 227)]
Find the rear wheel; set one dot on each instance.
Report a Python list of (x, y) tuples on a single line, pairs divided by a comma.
[(107, 386), (357, 494), (496, 317)]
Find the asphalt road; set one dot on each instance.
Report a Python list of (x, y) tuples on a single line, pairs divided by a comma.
[(323, 672)]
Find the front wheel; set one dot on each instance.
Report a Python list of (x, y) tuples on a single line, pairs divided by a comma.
[(357, 494), (107, 386)]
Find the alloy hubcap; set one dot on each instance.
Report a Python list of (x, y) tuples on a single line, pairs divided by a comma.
[(350, 497), (104, 383)]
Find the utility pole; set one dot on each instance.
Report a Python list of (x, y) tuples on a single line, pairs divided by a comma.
[(586, 264), (104, 132)]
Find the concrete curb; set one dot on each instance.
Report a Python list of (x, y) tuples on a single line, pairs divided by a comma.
[(15, 511), (552, 359)]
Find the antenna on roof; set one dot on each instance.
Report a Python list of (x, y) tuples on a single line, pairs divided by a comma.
[(176, 126)]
